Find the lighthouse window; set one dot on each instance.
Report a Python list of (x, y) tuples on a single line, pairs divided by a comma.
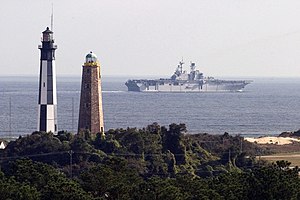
[(43, 84), (45, 37)]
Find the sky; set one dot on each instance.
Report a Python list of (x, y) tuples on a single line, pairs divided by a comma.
[(249, 38)]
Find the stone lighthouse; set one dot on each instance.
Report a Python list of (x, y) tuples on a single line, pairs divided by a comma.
[(47, 111), (90, 110)]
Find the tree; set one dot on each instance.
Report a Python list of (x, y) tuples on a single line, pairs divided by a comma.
[(39, 146), (11, 189), (51, 183), (113, 179), (172, 140)]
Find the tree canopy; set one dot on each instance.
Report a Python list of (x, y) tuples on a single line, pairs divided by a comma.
[(150, 163)]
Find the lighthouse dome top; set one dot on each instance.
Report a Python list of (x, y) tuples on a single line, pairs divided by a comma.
[(47, 35), (47, 31), (90, 57)]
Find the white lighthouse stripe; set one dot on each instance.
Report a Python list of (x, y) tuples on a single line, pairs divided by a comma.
[(50, 125), (44, 82), (51, 118), (50, 112), (54, 82)]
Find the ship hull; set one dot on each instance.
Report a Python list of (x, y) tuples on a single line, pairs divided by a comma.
[(184, 86)]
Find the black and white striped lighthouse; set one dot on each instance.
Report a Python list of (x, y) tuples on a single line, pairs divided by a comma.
[(47, 111)]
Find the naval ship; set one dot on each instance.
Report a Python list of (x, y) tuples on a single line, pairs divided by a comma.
[(182, 81)]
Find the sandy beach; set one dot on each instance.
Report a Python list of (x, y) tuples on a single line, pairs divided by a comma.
[(272, 140)]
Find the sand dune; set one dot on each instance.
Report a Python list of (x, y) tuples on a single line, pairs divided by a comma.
[(272, 140)]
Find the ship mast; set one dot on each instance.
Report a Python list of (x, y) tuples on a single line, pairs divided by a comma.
[(192, 67), (180, 65)]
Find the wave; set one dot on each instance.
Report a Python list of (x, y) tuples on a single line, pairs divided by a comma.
[(113, 91)]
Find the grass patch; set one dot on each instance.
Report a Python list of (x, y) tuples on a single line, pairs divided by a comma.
[(294, 158)]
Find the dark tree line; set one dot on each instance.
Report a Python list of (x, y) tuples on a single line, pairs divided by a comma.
[(150, 163)]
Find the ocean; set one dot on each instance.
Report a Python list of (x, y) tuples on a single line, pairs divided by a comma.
[(268, 106)]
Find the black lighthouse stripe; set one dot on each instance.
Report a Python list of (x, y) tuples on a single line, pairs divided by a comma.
[(49, 83), (43, 118)]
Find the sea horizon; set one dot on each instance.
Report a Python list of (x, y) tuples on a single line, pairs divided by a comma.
[(267, 106)]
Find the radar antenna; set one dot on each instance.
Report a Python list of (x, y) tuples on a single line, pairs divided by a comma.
[(193, 66), (180, 65)]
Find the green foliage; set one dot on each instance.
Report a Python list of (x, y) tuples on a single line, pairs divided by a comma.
[(65, 136), (172, 140), (112, 179), (11, 189), (107, 144), (80, 144), (37, 174), (36, 143), (51, 183), (150, 163), (275, 181), (220, 144), (196, 188), (63, 188), (86, 135), (39, 146), (156, 188)]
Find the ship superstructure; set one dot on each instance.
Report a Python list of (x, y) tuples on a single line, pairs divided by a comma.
[(182, 81)]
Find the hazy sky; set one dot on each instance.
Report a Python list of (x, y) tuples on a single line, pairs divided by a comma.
[(149, 37)]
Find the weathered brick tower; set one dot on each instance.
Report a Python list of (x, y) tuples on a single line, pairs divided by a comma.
[(90, 110)]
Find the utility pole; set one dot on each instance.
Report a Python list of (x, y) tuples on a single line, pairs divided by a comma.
[(71, 162), (73, 114), (241, 144), (10, 117)]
